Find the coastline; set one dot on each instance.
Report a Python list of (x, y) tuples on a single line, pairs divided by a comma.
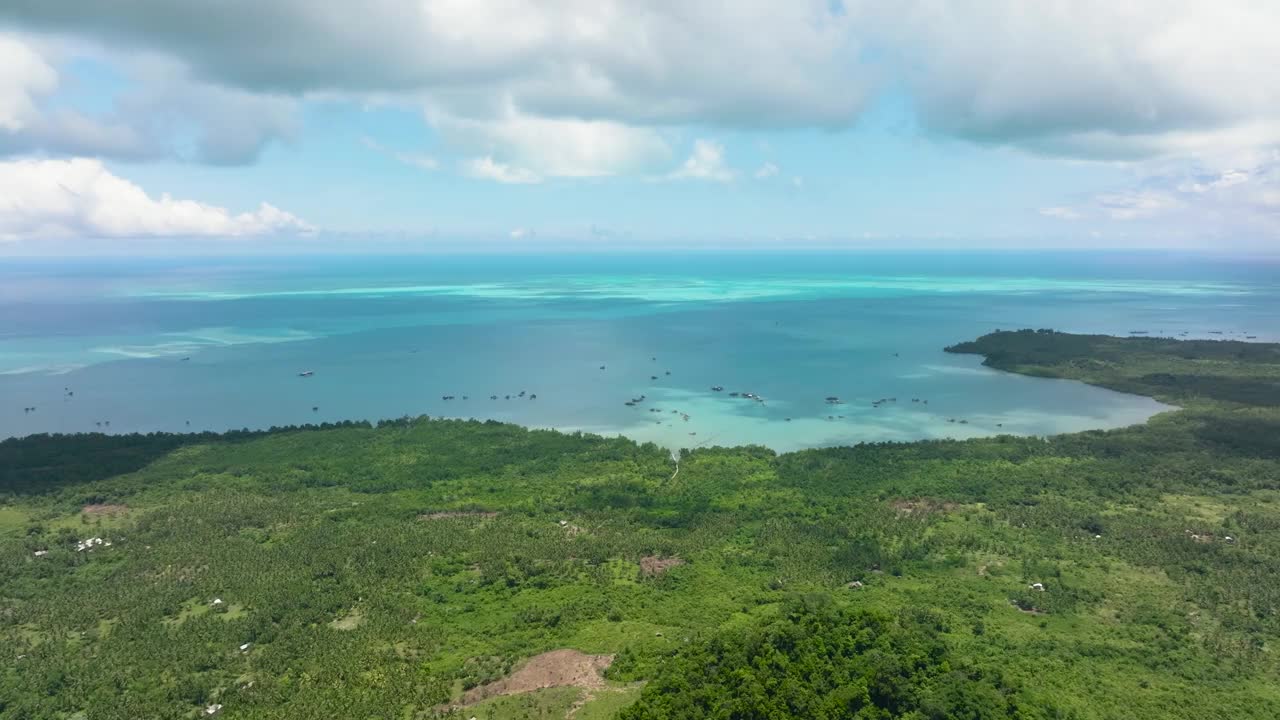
[(638, 434)]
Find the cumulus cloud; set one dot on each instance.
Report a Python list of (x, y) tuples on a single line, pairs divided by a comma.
[(588, 88), (24, 75), (164, 113), (27, 81), (1091, 78), (705, 163), (80, 198), (751, 62), (551, 147), (486, 168)]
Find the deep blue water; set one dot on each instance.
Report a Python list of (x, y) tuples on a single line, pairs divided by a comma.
[(219, 343)]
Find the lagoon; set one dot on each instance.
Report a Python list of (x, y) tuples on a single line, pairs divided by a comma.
[(217, 344)]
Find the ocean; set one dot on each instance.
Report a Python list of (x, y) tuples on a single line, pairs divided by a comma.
[(115, 345)]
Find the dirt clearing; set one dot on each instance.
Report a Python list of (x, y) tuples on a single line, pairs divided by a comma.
[(653, 565), (558, 668), (104, 509)]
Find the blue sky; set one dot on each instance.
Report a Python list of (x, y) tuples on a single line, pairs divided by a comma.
[(154, 127)]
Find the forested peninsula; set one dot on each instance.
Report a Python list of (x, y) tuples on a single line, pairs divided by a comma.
[(428, 568)]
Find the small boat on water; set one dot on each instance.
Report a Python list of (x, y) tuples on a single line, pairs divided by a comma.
[(717, 388), (306, 373)]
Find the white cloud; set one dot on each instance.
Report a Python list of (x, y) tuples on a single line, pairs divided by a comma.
[(581, 88), (705, 163), (164, 112), (485, 168), (750, 62), (1092, 78), (1224, 180), (1240, 203), (24, 75), (27, 81), (1061, 212), (552, 147), (80, 198), (1132, 204), (765, 171)]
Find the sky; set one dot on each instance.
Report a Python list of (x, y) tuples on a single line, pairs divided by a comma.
[(245, 126)]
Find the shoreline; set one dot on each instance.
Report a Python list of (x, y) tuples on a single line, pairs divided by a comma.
[(214, 435)]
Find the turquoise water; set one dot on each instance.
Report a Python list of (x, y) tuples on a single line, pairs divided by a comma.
[(219, 344)]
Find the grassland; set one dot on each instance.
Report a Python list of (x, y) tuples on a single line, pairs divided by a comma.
[(389, 571)]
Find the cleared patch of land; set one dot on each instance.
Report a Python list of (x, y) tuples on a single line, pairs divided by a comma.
[(651, 565), (558, 668)]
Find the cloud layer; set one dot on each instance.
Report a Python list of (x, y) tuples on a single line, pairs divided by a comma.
[(526, 91), (163, 114), (50, 199), (1091, 78)]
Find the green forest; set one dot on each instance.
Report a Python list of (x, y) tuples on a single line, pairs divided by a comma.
[(426, 568)]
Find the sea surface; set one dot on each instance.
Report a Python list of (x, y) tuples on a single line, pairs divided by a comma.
[(215, 344)]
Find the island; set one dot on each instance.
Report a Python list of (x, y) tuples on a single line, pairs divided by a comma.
[(427, 568)]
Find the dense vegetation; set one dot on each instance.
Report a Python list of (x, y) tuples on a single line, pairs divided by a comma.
[(382, 572), (821, 663)]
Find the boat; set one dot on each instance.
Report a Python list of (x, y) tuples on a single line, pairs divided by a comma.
[(717, 388), (306, 373)]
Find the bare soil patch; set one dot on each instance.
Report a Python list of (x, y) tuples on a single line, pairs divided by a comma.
[(652, 565), (104, 509), (558, 668)]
